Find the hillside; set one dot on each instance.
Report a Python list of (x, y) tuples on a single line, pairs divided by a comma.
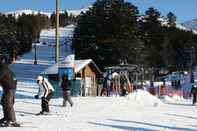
[(188, 25)]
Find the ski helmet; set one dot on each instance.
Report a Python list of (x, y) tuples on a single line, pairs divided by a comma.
[(40, 78)]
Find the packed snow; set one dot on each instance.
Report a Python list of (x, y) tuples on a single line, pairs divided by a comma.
[(139, 111)]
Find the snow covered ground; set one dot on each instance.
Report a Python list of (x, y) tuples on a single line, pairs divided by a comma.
[(139, 111)]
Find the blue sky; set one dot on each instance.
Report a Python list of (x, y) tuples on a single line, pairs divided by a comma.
[(184, 9)]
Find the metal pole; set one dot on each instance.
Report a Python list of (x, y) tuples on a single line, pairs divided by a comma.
[(142, 80), (191, 64), (57, 32), (35, 57), (136, 80)]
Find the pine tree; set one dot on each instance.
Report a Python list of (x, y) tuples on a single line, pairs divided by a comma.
[(171, 19), (153, 37), (107, 33), (53, 19)]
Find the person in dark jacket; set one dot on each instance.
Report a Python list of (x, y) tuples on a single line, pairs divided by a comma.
[(8, 83), (66, 90), (194, 93)]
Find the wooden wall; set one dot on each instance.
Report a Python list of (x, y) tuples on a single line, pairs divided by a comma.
[(87, 72)]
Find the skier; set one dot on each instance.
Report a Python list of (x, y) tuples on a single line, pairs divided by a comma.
[(66, 90), (45, 92), (104, 91), (8, 83), (194, 93)]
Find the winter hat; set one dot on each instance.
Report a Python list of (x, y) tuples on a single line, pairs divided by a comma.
[(40, 78)]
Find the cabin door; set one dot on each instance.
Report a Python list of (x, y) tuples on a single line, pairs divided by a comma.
[(88, 84)]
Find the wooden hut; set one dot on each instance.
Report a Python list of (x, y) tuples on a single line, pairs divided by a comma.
[(86, 79)]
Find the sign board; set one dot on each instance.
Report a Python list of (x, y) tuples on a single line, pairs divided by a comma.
[(66, 71), (66, 67)]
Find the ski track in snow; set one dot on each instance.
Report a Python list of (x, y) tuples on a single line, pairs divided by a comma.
[(107, 114)]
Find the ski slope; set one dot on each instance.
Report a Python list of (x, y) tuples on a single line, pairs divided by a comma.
[(24, 67), (139, 111)]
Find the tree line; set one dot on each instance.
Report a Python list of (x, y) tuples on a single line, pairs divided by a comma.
[(112, 32), (18, 34)]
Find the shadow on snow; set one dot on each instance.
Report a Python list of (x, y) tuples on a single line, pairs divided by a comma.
[(121, 127), (191, 117), (154, 125)]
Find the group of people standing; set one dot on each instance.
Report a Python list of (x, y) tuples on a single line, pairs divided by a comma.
[(8, 83)]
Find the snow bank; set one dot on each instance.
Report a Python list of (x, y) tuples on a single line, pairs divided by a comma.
[(167, 99), (145, 98), (175, 98)]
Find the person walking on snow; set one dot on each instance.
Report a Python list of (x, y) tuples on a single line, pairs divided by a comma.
[(8, 83), (45, 92), (194, 93), (66, 90)]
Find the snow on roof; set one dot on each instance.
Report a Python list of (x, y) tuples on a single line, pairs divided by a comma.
[(51, 70), (79, 64)]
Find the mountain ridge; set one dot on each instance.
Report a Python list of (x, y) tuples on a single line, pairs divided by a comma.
[(191, 24), (188, 25), (17, 13)]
